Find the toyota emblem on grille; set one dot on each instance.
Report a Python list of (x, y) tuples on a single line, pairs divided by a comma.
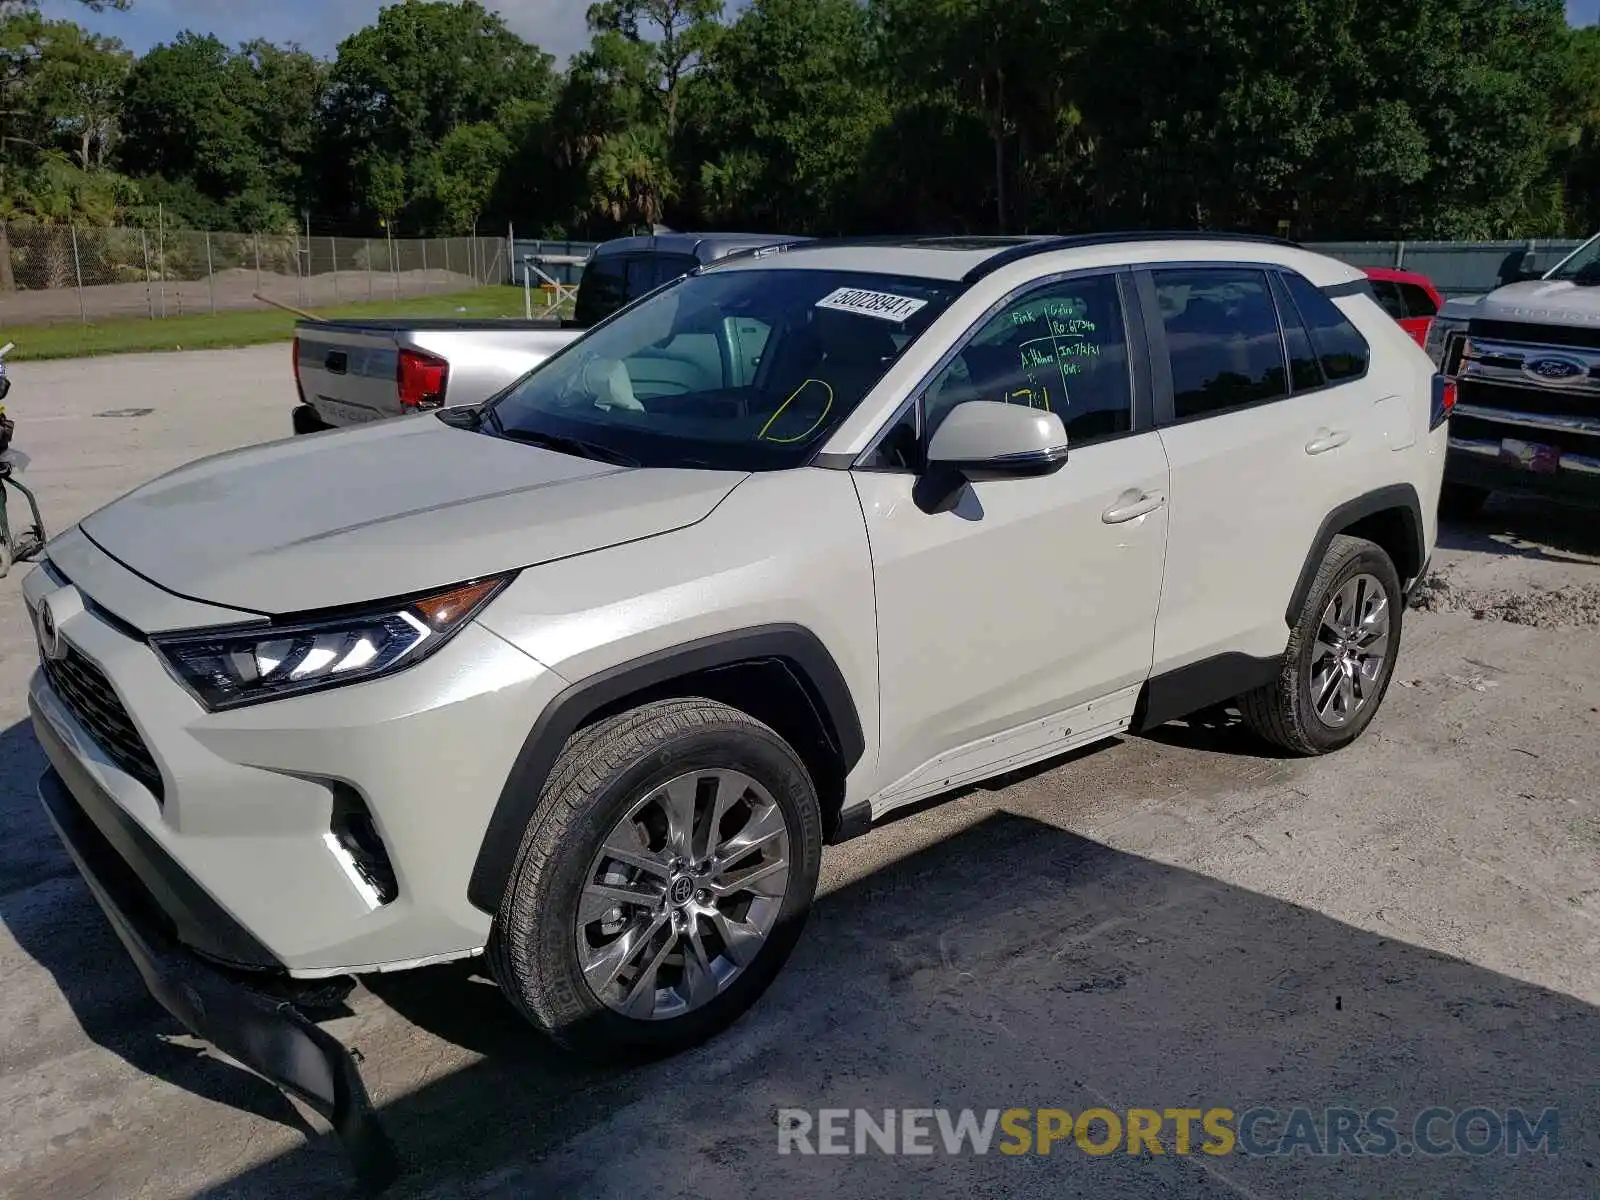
[(1556, 369), (49, 632)]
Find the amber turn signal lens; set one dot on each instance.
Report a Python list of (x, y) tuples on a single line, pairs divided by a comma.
[(444, 609)]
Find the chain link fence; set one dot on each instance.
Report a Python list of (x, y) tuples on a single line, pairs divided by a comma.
[(56, 273)]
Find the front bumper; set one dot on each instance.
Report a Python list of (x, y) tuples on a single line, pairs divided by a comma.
[(265, 1035), (247, 802)]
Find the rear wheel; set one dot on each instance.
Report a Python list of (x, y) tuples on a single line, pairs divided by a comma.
[(1340, 657), (663, 881), (306, 420)]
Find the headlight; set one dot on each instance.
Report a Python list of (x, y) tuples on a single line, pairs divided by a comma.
[(1439, 331), (228, 668)]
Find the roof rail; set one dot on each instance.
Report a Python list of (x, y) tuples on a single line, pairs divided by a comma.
[(1079, 240)]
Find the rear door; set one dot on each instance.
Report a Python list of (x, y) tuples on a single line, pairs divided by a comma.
[(1260, 425), (348, 374)]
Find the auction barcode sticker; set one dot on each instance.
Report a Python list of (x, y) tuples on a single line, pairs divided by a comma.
[(884, 305)]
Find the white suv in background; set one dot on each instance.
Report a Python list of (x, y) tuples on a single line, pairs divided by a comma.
[(587, 676)]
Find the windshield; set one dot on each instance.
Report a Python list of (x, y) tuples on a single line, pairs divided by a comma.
[(745, 370), (1581, 266)]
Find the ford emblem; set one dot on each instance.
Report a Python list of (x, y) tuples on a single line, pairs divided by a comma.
[(1553, 369)]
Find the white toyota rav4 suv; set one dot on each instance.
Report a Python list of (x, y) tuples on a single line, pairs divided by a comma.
[(584, 678)]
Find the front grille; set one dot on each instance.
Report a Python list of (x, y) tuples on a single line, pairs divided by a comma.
[(1551, 401), (1471, 426), (89, 696), (1582, 336)]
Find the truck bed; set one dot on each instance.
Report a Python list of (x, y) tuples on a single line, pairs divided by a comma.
[(350, 372), (438, 324)]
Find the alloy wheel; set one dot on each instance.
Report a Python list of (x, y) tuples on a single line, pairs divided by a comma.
[(683, 894), (1352, 645)]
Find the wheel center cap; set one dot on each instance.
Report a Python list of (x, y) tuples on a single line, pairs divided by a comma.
[(681, 890)]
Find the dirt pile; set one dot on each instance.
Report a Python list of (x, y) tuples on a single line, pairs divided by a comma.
[(1543, 608)]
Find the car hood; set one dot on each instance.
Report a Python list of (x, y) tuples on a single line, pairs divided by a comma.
[(1543, 301), (384, 510)]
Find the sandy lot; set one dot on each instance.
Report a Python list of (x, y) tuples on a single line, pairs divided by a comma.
[(1173, 921)]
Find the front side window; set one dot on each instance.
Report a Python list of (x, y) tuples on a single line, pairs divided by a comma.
[(1062, 349), (1223, 340), (741, 369)]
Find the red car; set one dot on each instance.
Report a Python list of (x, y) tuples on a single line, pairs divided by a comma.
[(1407, 297)]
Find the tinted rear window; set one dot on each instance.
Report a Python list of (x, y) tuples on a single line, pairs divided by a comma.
[(1305, 372), (1418, 302), (602, 289), (1340, 347), (613, 280), (1222, 339)]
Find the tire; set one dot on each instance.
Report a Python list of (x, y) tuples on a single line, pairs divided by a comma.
[(1286, 712), (1460, 501), (306, 420), (605, 773)]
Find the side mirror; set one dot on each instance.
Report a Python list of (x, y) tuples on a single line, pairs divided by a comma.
[(983, 439), (1517, 267)]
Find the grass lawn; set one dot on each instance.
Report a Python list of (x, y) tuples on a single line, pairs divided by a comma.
[(246, 327)]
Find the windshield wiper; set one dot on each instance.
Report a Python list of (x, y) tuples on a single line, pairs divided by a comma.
[(569, 445)]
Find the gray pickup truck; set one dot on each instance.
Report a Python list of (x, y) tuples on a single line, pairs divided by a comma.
[(353, 372)]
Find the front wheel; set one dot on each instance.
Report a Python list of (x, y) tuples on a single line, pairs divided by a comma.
[(1340, 657), (663, 880)]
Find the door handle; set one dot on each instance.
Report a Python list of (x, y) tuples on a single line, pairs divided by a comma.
[(1132, 505), (337, 362), (1327, 439)]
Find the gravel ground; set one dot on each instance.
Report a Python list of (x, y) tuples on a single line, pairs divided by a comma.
[(1171, 921)]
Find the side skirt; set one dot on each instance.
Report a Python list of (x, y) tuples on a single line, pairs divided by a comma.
[(1011, 750)]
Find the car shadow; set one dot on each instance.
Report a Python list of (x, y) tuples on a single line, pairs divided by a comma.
[(1011, 965), (1219, 729), (1526, 526), (48, 911)]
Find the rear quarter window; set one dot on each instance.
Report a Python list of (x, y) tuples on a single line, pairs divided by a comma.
[(1342, 351), (1389, 297)]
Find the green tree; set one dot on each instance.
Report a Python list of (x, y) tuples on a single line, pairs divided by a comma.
[(461, 176), (183, 120), (630, 177), (783, 118), (668, 41), (400, 86), (79, 88)]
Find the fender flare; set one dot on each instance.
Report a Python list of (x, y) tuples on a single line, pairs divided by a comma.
[(796, 647), (1398, 497)]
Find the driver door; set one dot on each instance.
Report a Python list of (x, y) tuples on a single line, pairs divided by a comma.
[(1020, 621)]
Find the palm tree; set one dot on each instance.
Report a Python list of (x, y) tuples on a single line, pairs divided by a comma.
[(630, 177)]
